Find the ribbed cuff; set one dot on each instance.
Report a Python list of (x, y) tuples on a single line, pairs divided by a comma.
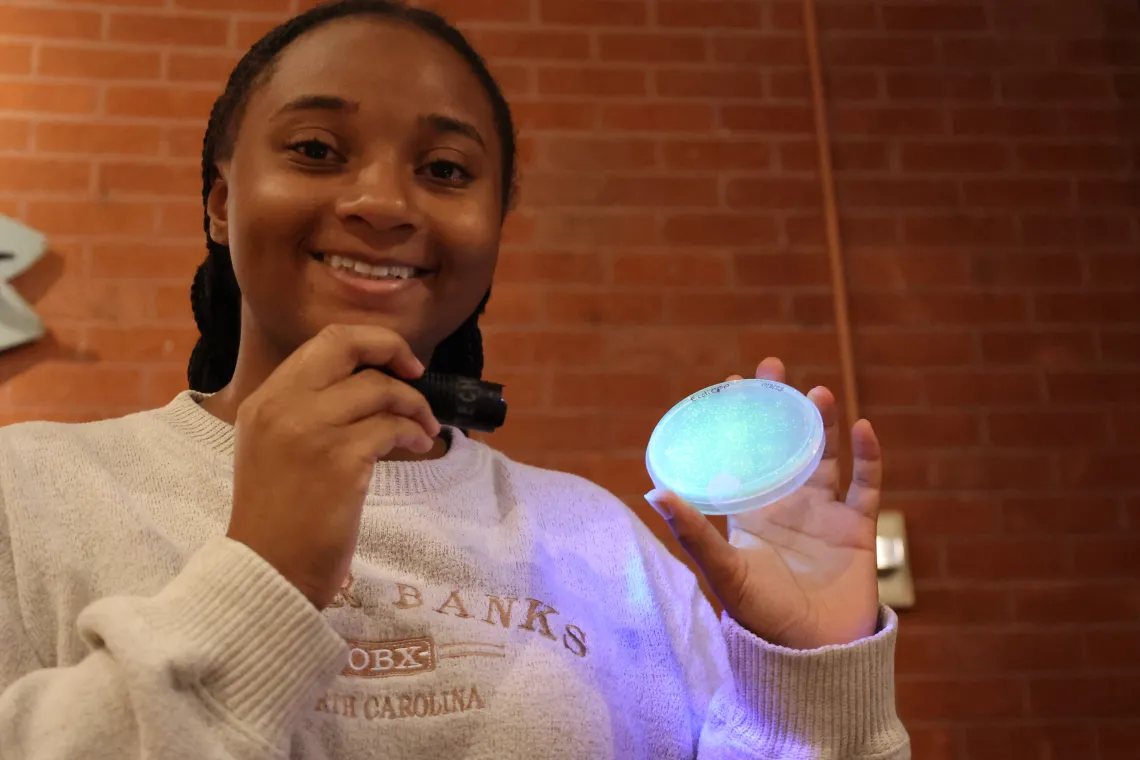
[(839, 697), (265, 650)]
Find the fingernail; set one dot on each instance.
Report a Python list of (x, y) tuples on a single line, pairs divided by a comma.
[(658, 501)]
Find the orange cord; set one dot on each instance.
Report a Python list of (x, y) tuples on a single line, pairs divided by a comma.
[(831, 218)]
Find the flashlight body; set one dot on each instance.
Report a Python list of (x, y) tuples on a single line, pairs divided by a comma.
[(462, 402)]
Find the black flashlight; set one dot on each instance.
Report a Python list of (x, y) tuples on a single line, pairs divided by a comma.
[(462, 402)]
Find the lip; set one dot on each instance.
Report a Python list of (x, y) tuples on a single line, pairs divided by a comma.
[(376, 261)]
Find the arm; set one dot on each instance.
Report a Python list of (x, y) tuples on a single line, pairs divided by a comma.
[(832, 703), (217, 666)]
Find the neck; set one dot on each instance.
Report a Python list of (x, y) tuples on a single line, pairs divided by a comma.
[(253, 368)]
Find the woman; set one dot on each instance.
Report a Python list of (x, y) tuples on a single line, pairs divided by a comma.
[(294, 559)]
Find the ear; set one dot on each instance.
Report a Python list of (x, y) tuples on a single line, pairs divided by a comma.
[(217, 207)]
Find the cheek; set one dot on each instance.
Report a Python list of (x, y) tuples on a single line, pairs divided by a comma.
[(471, 236), (269, 214)]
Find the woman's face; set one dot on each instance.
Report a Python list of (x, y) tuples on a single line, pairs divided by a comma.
[(364, 188)]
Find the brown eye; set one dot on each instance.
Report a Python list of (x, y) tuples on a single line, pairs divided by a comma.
[(314, 150), (447, 171)]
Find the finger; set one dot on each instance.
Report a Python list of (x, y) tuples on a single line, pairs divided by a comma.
[(371, 392), (826, 475), (733, 378), (771, 369), (338, 350), (865, 492), (717, 559), (376, 436)]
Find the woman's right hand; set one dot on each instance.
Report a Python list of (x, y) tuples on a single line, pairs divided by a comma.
[(307, 442)]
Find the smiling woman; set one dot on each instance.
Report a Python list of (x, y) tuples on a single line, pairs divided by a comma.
[(294, 555)]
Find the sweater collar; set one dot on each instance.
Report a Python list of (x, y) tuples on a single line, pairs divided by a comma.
[(390, 479)]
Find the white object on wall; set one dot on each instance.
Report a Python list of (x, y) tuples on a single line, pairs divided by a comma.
[(20, 248), (896, 586)]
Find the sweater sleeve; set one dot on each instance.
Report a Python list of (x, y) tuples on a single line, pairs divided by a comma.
[(219, 665), (833, 703)]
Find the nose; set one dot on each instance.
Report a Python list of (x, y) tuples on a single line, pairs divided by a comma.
[(379, 197)]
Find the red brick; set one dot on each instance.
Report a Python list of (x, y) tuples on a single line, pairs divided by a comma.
[(710, 14), (595, 12), (1113, 269), (889, 389), (773, 194), (86, 63), (593, 153), (795, 348), (531, 348), (1115, 558), (1116, 740), (160, 102), (1113, 649), (593, 229), (150, 179), (167, 29), (1057, 430), (15, 58), (992, 470), (783, 269), (1062, 516), (945, 515), (180, 219), (879, 51), (51, 23), (789, 15), (845, 86), (603, 308), (1083, 602), (893, 269), (911, 17), (48, 97), (986, 653), (1105, 194), (1087, 308), (1043, 348), (1101, 386), (1003, 559), (611, 390), (142, 344), (1017, 193), (1085, 696), (37, 175), (965, 605), (657, 117), (996, 51), (720, 229), (1027, 269), (651, 348), (916, 349), (1098, 469), (958, 699), (1062, 86), (941, 87), (212, 68), (465, 11), (894, 193), (1004, 121), (768, 50), (249, 6), (552, 115), (717, 154), (1086, 231), (653, 47), (934, 742), (1122, 347), (693, 83), (251, 30), (82, 218), (73, 385), (670, 269), (535, 44), (1071, 157), (779, 120), (958, 229), (597, 82), (1035, 741), (725, 309), (146, 261), (888, 121), (14, 134), (927, 430), (887, 309), (99, 139), (955, 157), (513, 305)]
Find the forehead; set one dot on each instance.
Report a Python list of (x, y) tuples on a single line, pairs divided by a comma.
[(381, 64)]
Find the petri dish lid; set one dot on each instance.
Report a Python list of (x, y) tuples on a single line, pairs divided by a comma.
[(736, 446)]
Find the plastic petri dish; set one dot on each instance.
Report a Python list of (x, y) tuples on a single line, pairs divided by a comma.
[(736, 446)]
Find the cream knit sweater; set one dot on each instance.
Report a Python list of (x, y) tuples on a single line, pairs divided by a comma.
[(494, 611)]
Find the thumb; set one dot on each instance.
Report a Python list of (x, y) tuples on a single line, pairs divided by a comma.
[(713, 554)]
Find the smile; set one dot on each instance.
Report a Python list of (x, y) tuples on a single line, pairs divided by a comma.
[(362, 269)]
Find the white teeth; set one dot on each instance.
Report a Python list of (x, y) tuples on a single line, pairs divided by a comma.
[(370, 271)]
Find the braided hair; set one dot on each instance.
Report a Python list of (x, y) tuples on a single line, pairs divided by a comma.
[(214, 295)]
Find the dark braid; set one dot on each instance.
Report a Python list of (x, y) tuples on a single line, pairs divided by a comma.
[(215, 295)]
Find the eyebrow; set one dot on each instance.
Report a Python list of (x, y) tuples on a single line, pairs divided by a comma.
[(318, 103), (446, 124)]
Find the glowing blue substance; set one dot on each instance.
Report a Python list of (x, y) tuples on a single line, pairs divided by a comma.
[(736, 446)]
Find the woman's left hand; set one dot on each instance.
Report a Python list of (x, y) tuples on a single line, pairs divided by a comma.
[(801, 572)]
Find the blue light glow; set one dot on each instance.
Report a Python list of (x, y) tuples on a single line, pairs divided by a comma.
[(736, 446)]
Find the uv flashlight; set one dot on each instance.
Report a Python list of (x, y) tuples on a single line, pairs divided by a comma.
[(462, 402)]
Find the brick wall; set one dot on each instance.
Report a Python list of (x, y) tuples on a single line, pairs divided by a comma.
[(671, 233)]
